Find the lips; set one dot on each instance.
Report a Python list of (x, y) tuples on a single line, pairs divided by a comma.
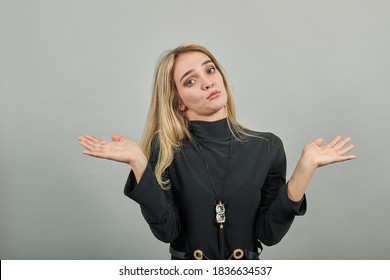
[(213, 94)]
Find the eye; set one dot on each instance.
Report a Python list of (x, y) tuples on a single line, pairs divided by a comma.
[(190, 82), (211, 70)]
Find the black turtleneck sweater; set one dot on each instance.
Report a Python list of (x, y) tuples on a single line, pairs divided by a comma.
[(255, 193)]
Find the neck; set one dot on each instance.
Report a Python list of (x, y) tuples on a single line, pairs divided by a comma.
[(221, 114)]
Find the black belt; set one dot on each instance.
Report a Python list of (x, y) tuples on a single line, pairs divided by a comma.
[(237, 254)]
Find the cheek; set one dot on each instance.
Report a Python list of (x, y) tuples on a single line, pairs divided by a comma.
[(189, 96), (221, 81)]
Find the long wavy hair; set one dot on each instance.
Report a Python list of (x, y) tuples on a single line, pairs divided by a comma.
[(166, 122)]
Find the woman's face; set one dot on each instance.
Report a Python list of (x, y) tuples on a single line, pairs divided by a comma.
[(200, 87)]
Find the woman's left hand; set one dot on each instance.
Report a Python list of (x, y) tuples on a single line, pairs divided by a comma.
[(335, 151), (315, 155)]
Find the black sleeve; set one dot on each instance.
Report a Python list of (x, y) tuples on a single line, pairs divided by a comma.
[(157, 205), (277, 211)]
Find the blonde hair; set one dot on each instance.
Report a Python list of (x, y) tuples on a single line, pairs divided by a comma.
[(166, 123)]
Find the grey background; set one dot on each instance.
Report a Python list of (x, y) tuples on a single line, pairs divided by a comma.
[(301, 69)]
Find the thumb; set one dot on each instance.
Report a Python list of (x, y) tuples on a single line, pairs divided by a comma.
[(319, 141), (116, 137)]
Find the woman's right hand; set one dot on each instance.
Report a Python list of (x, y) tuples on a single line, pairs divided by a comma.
[(119, 149)]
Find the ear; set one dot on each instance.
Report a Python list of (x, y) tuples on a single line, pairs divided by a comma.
[(182, 107)]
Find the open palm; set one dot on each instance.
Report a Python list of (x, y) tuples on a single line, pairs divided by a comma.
[(119, 149), (334, 151)]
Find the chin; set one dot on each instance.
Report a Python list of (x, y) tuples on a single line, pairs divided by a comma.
[(220, 110)]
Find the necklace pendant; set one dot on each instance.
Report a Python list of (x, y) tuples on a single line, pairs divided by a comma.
[(220, 213)]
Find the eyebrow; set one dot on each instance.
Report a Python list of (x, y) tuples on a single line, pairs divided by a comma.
[(192, 70)]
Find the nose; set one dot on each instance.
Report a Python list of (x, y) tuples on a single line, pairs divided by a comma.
[(208, 84)]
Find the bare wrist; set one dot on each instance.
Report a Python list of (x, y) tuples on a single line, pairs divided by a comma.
[(307, 163), (300, 178), (138, 166), (293, 196)]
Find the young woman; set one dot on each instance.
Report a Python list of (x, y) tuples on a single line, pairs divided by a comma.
[(210, 187)]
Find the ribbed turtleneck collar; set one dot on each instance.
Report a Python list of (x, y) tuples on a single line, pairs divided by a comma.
[(214, 130)]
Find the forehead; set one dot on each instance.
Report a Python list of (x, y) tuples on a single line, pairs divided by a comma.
[(189, 61)]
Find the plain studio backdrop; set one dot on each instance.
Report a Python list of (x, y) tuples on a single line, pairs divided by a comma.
[(300, 69)]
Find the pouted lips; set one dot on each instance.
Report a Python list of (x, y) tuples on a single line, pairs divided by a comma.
[(213, 94)]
